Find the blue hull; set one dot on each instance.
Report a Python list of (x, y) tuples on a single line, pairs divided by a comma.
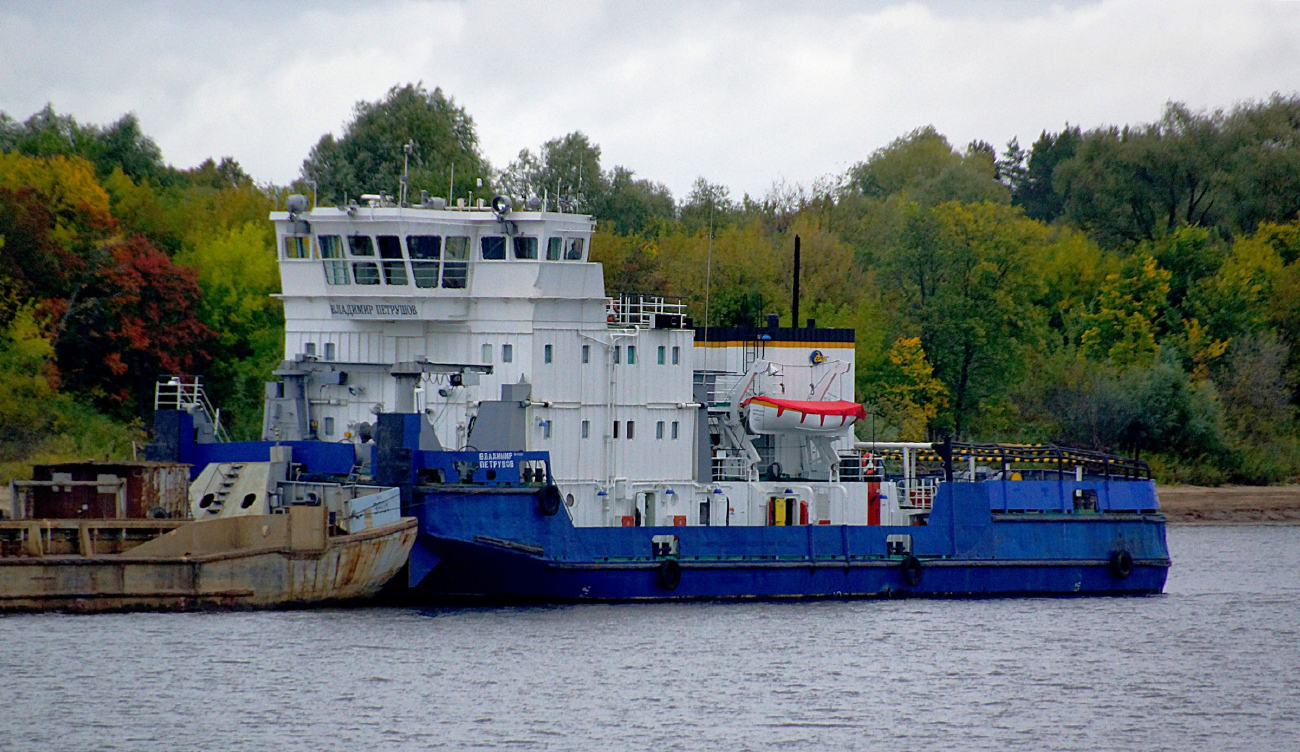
[(495, 544)]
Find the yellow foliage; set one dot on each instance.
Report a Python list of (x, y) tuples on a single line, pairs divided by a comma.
[(914, 396), (68, 186), (1122, 328)]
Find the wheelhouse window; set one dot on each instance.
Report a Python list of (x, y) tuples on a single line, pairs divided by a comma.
[(365, 272), (455, 264), (390, 248), (631, 427), (677, 355), (525, 248), (631, 355), (487, 353), (507, 353), (659, 429), (618, 354), (331, 351), (297, 247), (573, 249), (547, 353), (493, 247), (586, 353), (361, 245), (586, 428), (553, 248), (331, 253), (425, 251), (674, 434), (661, 355)]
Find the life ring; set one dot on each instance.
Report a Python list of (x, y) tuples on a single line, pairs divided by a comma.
[(670, 574), (1121, 564), (910, 568), (549, 500)]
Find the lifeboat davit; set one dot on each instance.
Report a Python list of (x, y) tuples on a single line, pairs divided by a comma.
[(775, 415)]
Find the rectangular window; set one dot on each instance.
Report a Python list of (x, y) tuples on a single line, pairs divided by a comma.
[(365, 272), (674, 434), (661, 355), (331, 251), (494, 247), (547, 352), (659, 429), (424, 247), (631, 355), (546, 429), (553, 249), (631, 425), (330, 351), (297, 247), (616, 429), (455, 266), (586, 353), (487, 353), (309, 349), (525, 248), (507, 353), (395, 273), (677, 355), (573, 249), (390, 247), (618, 354), (361, 245), (586, 428), (329, 426)]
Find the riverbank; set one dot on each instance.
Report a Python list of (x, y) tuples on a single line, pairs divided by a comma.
[(1231, 505)]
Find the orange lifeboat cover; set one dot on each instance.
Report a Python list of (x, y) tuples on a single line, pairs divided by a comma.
[(838, 408)]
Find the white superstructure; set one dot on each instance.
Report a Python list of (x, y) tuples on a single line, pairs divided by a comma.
[(644, 424)]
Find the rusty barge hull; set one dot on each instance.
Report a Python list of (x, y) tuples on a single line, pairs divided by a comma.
[(257, 561)]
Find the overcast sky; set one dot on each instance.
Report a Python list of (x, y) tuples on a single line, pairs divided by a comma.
[(742, 93)]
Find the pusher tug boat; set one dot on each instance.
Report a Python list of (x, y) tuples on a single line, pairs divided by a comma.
[(558, 444)]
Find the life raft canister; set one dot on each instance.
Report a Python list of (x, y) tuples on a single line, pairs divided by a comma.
[(910, 568), (1121, 564)]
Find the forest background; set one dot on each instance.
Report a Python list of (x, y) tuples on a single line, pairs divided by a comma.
[(1126, 288)]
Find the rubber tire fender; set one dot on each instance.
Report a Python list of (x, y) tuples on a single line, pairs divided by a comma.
[(1121, 564), (910, 568), (549, 501), (670, 574)]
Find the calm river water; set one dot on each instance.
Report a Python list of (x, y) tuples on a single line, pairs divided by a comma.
[(1212, 664)]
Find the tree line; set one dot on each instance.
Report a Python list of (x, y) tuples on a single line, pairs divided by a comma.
[(1127, 288)]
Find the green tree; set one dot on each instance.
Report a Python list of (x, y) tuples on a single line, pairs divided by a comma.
[(925, 167), (368, 157), (1035, 189)]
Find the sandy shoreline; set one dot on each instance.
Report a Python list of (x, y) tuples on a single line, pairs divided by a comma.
[(1231, 505)]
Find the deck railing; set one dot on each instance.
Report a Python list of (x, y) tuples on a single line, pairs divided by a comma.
[(634, 309)]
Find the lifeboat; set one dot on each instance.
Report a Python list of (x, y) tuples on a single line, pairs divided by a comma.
[(775, 415)]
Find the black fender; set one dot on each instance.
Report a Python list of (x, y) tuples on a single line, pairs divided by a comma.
[(1121, 564), (670, 574), (549, 500), (910, 568)]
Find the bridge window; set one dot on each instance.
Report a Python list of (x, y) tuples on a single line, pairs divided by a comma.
[(427, 249), (677, 355), (525, 248), (547, 352), (390, 247), (330, 351), (309, 349), (616, 429), (487, 353), (331, 251), (618, 354), (573, 249), (365, 272), (546, 429), (297, 247), (586, 428), (661, 355), (395, 273), (659, 429), (553, 249), (631, 427), (455, 268), (507, 353), (586, 353), (631, 355), (674, 434), (361, 245), (494, 247)]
